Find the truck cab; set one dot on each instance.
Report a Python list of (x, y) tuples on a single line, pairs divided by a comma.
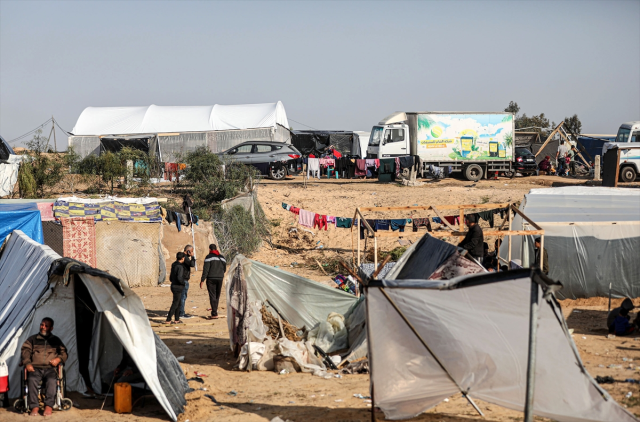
[(389, 141), (628, 136)]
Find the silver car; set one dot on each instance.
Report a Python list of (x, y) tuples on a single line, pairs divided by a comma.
[(254, 152)]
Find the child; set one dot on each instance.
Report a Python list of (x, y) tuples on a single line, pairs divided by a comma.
[(177, 286), (623, 327)]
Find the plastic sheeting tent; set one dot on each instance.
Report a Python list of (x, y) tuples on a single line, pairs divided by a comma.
[(120, 321), (159, 119), (477, 327), (592, 236), (21, 216)]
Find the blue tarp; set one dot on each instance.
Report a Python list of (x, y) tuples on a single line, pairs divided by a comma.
[(25, 217), (593, 146)]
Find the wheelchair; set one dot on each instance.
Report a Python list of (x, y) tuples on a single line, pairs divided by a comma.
[(61, 402)]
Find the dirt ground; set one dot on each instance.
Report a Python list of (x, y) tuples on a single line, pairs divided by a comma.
[(260, 396)]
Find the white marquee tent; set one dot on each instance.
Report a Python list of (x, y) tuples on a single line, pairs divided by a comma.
[(181, 128)]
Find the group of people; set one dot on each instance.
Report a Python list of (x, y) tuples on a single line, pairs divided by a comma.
[(478, 249), (564, 158), (619, 320), (213, 271)]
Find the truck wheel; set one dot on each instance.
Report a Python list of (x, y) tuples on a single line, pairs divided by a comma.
[(627, 174), (473, 172)]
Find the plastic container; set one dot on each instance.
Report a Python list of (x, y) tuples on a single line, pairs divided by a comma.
[(122, 397), (4, 377)]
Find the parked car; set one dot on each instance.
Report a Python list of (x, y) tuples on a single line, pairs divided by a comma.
[(524, 162), (258, 152)]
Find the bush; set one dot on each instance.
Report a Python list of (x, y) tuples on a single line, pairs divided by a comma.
[(238, 232), (41, 168)]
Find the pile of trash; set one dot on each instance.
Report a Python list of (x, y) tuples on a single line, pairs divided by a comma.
[(273, 326)]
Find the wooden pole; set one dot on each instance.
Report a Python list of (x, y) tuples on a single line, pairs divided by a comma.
[(541, 252), (53, 127), (509, 211), (549, 138), (462, 225), (375, 251)]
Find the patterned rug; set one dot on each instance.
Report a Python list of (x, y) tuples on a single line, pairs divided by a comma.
[(79, 239)]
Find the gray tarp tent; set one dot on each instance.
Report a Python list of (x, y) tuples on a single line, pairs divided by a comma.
[(592, 236), (32, 286), (476, 329)]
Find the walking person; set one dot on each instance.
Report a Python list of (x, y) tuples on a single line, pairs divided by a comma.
[(189, 262), (177, 288), (213, 272), (561, 157)]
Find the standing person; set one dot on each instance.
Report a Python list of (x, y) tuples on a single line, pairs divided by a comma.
[(189, 262), (474, 240), (561, 157), (545, 262), (177, 288), (213, 272), (40, 354)]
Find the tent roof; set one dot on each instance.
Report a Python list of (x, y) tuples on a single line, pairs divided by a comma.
[(96, 121), (582, 204)]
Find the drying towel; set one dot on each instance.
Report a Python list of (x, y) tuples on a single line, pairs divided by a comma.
[(313, 166), (306, 218), (361, 167), (343, 222), (406, 162)]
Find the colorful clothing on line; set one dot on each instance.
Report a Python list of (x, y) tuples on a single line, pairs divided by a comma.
[(306, 218), (363, 228), (320, 221), (343, 222), (423, 222), (313, 167), (284, 206), (361, 168), (487, 216), (381, 225), (331, 219), (397, 167), (294, 210), (398, 225), (371, 163)]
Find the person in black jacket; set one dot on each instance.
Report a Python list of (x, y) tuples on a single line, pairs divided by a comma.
[(213, 272), (189, 262), (177, 279), (474, 240)]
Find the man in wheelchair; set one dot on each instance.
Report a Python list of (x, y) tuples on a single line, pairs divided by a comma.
[(41, 354)]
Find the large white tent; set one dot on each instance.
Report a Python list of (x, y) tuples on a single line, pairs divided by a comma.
[(176, 129), (592, 236), (431, 339), (35, 282)]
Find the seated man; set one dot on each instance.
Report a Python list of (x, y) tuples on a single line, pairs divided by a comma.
[(545, 165), (627, 305), (41, 353)]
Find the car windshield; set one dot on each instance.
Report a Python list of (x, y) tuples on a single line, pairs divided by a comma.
[(376, 136), (623, 135), (523, 151)]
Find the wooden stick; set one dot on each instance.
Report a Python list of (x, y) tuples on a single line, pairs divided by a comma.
[(444, 221), (381, 266), (549, 138), (525, 217), (319, 265)]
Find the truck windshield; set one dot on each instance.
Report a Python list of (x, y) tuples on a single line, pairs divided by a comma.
[(376, 136), (623, 135)]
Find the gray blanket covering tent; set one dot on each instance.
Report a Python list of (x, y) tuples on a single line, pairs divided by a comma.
[(471, 336), (35, 282)]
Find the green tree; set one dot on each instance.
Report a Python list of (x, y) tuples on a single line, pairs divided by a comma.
[(574, 124), (513, 107), (41, 168)]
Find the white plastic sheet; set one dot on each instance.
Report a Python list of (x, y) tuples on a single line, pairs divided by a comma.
[(480, 334), (163, 119), (9, 174)]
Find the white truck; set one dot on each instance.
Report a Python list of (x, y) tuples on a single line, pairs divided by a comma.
[(628, 140), (474, 143)]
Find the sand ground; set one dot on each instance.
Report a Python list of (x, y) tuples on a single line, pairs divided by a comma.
[(260, 396)]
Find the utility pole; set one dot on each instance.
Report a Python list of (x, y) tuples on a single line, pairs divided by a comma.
[(53, 127)]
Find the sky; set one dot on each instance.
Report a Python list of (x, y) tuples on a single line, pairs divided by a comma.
[(334, 65)]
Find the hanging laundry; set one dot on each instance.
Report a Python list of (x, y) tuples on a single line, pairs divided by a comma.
[(306, 218), (487, 216), (406, 162), (313, 167), (361, 168), (178, 225), (398, 224), (295, 210), (284, 205), (397, 167), (343, 222), (423, 222), (331, 219), (437, 220), (381, 225), (320, 221), (370, 162), (363, 228), (451, 219), (170, 216)]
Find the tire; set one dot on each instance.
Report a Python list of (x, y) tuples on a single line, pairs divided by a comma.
[(510, 174), (278, 175), (19, 405), (66, 404), (473, 172), (628, 174)]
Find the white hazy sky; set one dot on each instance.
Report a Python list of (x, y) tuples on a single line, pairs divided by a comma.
[(334, 65)]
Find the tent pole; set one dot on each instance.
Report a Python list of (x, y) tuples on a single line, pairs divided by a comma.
[(509, 215), (531, 363), (193, 237), (424, 343)]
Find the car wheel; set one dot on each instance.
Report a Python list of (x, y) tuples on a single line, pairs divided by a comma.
[(278, 174), (473, 172), (628, 174), (509, 174)]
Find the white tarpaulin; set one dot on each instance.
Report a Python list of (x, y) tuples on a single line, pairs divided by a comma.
[(9, 174), (162, 119), (477, 327), (592, 237), (36, 295)]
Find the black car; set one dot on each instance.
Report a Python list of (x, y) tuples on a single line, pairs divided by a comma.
[(524, 162)]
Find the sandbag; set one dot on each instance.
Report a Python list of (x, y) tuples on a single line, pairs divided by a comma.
[(256, 349)]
